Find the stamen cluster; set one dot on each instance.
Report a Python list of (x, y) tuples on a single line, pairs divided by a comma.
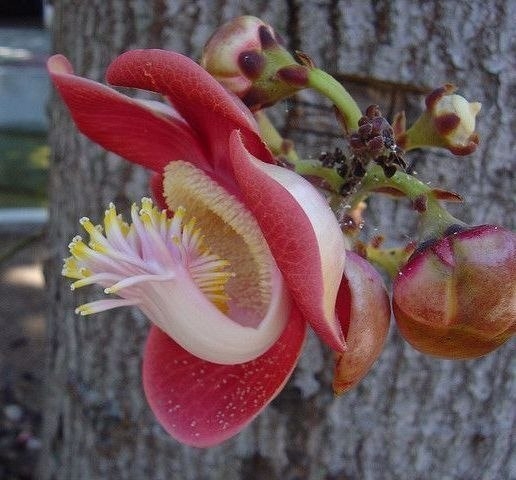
[(150, 249)]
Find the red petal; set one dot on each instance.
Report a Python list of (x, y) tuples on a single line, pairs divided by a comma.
[(201, 403), (292, 240), (123, 125), (211, 111), (156, 185), (364, 308)]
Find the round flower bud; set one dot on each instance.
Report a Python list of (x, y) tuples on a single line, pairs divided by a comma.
[(457, 297)]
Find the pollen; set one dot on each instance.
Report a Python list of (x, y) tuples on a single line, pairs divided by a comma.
[(126, 258)]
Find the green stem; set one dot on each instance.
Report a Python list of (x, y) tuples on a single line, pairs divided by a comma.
[(310, 168), (435, 219), (276, 143), (391, 260), (326, 85), (423, 134), (280, 147)]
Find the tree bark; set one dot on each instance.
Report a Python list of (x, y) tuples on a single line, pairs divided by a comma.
[(413, 417)]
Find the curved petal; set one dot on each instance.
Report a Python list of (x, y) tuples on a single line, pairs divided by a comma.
[(201, 403), (202, 329), (364, 309), (211, 111), (302, 233), (123, 125)]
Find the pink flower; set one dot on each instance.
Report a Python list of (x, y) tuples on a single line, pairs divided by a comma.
[(457, 297), (245, 255)]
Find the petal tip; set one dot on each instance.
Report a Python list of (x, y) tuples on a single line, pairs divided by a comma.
[(59, 65)]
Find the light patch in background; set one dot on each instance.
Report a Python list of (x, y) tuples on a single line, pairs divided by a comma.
[(25, 276), (10, 53)]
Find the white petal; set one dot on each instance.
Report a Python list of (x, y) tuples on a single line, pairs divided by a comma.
[(183, 312)]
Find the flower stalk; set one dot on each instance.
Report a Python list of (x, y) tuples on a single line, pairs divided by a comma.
[(435, 220), (329, 87)]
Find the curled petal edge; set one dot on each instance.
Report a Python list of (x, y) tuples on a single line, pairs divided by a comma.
[(303, 235)]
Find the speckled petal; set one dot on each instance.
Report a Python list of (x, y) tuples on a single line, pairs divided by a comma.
[(201, 403)]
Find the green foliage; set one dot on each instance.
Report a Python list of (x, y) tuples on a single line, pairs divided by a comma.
[(24, 161)]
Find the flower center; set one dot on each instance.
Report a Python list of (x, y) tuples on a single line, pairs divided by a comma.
[(230, 230), (148, 250), (225, 307)]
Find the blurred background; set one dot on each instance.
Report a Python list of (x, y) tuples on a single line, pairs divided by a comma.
[(24, 162)]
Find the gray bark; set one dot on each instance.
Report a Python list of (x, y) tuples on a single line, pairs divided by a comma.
[(413, 417)]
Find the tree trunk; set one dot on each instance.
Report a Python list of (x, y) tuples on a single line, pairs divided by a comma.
[(413, 417)]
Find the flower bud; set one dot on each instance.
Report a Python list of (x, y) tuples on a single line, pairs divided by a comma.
[(368, 316), (247, 57), (456, 298), (448, 122)]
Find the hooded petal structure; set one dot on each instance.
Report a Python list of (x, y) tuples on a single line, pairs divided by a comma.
[(302, 233), (230, 289), (163, 266)]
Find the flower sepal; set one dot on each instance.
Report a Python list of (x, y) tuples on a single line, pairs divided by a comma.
[(365, 317)]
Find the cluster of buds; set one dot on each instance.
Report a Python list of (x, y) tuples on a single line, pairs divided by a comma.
[(454, 297), (374, 140)]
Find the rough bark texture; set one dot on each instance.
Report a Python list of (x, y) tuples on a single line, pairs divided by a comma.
[(413, 417)]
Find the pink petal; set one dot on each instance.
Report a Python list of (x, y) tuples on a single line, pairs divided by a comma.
[(364, 310), (211, 111), (123, 125), (303, 235), (201, 403)]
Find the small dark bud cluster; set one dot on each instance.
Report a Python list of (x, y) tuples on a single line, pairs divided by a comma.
[(350, 168), (374, 141)]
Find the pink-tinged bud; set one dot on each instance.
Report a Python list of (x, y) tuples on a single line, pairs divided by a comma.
[(368, 322), (233, 54), (448, 122), (457, 297), (247, 57)]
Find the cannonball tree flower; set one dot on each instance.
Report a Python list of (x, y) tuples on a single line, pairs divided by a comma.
[(456, 298), (236, 258)]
